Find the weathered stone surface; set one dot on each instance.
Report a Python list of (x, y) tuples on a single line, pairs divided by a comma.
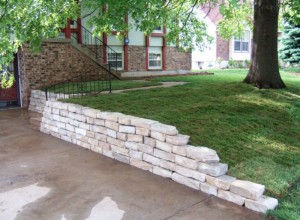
[(70, 128), (263, 204), (162, 172), (135, 138), (90, 134), (84, 126), (179, 140), (127, 129), (119, 150), (247, 189), (186, 181), (180, 150), (80, 131), (167, 165), (143, 131), (213, 169), (90, 120), (150, 159), (125, 119), (101, 137), (141, 122), (165, 129), (222, 182), (120, 157), (93, 142), (164, 146), (202, 154), (186, 162), (73, 108), (110, 116), (209, 189), (164, 155), (231, 197), (141, 164), (122, 136), (149, 141), (107, 153), (190, 173), (111, 133), (136, 154), (145, 148), (99, 122), (104, 145), (131, 145), (96, 149), (158, 136), (115, 142), (112, 125), (78, 117), (99, 129), (90, 112)]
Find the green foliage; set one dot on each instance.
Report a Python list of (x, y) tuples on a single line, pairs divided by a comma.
[(30, 22), (238, 63), (290, 51), (7, 79)]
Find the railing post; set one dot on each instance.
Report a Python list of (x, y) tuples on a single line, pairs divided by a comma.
[(46, 94), (109, 77)]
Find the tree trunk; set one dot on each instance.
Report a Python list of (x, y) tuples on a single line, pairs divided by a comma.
[(264, 68)]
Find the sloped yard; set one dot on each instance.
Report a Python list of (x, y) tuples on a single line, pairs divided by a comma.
[(257, 132)]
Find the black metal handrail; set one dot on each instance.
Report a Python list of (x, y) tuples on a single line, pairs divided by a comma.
[(81, 84), (103, 53)]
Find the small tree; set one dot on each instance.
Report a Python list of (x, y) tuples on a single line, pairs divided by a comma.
[(290, 51)]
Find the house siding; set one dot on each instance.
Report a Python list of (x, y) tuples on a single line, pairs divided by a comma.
[(222, 48)]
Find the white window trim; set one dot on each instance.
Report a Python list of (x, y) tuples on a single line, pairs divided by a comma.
[(241, 41), (122, 53), (155, 67), (159, 31)]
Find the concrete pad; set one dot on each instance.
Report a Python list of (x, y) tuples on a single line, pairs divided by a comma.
[(83, 184)]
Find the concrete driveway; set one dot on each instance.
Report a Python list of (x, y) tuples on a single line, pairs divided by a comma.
[(42, 177)]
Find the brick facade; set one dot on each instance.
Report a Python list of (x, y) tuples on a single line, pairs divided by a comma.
[(222, 48), (58, 61), (136, 58), (177, 60)]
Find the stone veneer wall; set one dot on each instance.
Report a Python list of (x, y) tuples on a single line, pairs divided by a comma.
[(136, 58), (58, 61), (151, 146), (177, 60), (222, 48)]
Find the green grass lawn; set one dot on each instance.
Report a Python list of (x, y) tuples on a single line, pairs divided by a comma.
[(93, 86), (257, 132)]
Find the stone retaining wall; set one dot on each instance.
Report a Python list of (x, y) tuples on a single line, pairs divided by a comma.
[(151, 146)]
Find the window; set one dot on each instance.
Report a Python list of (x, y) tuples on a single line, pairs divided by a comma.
[(115, 59), (158, 29), (241, 44), (154, 60)]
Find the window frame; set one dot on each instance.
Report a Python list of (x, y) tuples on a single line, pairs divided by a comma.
[(155, 67), (122, 59), (241, 40)]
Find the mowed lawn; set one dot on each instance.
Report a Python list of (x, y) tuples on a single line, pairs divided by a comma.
[(257, 132)]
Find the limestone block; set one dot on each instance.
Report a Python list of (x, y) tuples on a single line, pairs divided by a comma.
[(162, 172), (150, 159), (263, 204), (66, 138), (165, 129), (79, 117), (135, 138), (48, 110), (190, 173), (82, 138), (99, 122), (149, 141), (141, 164), (112, 125), (127, 129), (231, 197), (63, 113), (209, 189), (111, 133), (164, 146), (92, 113), (99, 129), (80, 131), (186, 162), (247, 189), (116, 142), (142, 122), (180, 150), (179, 140), (101, 137), (167, 165), (104, 145), (120, 157), (84, 126), (213, 169), (61, 125), (90, 120), (186, 181), (93, 141), (145, 148), (158, 136), (110, 116), (96, 149), (55, 134), (222, 182), (164, 155), (62, 132), (64, 119), (73, 122), (83, 144), (119, 150), (136, 154), (202, 154), (121, 136), (143, 131), (125, 119), (55, 111), (72, 135), (90, 134), (131, 145), (107, 153), (56, 117), (74, 108)]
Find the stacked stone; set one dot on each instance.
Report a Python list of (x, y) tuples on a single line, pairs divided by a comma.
[(151, 146)]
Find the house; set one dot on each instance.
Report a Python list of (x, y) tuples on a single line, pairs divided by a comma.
[(77, 51), (218, 53)]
